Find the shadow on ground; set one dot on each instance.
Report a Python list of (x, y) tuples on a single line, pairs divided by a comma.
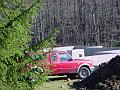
[(77, 85), (56, 78)]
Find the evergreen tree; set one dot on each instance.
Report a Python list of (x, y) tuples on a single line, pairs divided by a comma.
[(16, 18)]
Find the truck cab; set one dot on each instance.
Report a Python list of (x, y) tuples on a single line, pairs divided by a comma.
[(63, 64)]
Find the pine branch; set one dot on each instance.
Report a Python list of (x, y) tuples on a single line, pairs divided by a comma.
[(22, 13), (49, 39)]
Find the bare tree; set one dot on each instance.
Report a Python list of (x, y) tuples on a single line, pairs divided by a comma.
[(81, 22)]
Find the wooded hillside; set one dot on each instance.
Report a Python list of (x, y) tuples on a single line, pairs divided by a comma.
[(81, 22)]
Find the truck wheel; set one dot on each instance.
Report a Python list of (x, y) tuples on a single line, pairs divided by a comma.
[(83, 72)]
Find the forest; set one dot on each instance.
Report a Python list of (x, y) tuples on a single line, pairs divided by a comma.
[(80, 22)]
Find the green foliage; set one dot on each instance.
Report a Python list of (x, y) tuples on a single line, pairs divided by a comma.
[(14, 26), (48, 42), (116, 44), (15, 23), (13, 79)]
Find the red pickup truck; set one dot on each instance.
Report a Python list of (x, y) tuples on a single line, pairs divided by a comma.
[(63, 64)]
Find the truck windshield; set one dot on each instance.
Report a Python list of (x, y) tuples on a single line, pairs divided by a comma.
[(64, 57)]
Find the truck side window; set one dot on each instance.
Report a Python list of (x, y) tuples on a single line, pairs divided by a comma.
[(64, 57), (53, 57)]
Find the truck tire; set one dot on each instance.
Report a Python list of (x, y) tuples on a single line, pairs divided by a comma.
[(83, 72)]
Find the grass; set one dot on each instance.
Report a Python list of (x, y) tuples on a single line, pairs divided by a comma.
[(55, 83)]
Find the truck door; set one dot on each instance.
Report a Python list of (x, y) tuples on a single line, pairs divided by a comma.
[(55, 64), (67, 64)]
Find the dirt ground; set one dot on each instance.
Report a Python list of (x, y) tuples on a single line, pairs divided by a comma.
[(107, 77), (57, 83)]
